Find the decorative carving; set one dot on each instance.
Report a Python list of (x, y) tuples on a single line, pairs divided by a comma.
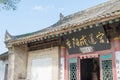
[(61, 16), (112, 30)]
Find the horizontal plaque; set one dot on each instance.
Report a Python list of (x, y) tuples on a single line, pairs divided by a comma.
[(87, 40)]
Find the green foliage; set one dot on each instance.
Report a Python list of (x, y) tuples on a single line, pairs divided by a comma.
[(8, 4)]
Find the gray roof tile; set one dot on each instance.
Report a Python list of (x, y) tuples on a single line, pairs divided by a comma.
[(93, 13)]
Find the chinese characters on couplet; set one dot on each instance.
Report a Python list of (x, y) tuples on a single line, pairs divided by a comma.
[(85, 40)]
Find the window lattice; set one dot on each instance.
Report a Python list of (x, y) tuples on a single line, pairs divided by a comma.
[(107, 70), (73, 70)]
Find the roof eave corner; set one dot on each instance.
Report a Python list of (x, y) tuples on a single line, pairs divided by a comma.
[(8, 37)]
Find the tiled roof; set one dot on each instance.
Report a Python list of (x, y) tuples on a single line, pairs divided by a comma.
[(4, 55), (96, 13)]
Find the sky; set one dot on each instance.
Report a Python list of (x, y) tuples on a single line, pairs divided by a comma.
[(34, 15)]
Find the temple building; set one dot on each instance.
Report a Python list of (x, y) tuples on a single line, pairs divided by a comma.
[(81, 46)]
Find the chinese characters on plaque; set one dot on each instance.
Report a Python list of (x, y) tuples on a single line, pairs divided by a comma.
[(88, 40), (118, 64)]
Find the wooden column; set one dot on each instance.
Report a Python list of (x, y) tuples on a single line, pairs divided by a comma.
[(63, 63), (116, 44), (78, 69), (67, 68), (100, 61), (116, 47)]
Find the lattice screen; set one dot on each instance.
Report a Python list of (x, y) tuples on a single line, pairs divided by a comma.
[(107, 70), (73, 71)]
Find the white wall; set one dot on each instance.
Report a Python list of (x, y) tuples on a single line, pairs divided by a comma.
[(2, 70), (42, 69), (45, 57)]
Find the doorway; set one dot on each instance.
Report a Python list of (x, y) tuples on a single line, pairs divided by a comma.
[(89, 69)]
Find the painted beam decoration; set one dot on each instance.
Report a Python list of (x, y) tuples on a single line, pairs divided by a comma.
[(87, 40)]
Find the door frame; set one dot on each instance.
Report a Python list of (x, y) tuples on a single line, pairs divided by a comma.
[(79, 56)]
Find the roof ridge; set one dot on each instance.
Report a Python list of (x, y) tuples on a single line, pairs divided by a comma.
[(72, 16), (93, 7)]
